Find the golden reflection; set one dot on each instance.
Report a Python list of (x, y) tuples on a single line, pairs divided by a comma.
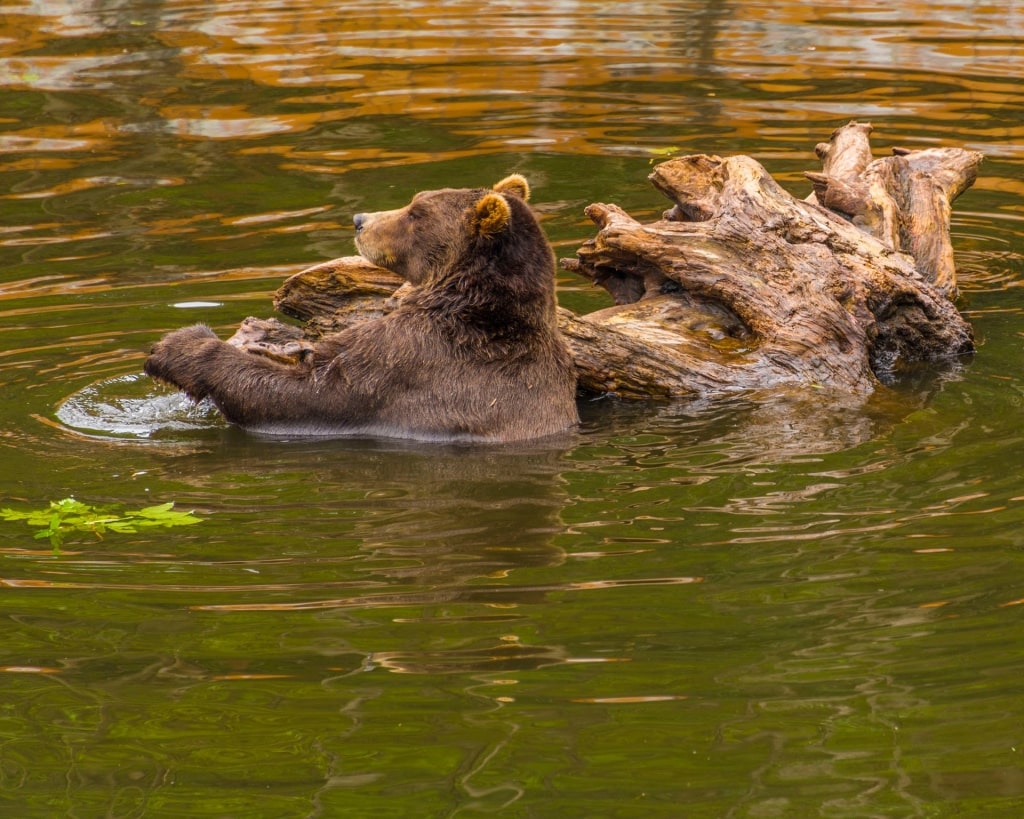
[(630, 700), (81, 184), (28, 669), (533, 78), (275, 216)]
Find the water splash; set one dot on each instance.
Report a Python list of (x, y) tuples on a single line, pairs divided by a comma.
[(131, 406)]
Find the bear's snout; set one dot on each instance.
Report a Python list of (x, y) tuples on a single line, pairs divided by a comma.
[(359, 220)]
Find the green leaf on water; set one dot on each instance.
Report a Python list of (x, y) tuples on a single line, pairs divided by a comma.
[(69, 516)]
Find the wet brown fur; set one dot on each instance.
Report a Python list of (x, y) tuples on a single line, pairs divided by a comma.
[(471, 353)]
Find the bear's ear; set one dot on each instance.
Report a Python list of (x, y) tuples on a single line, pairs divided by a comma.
[(491, 214), (514, 185)]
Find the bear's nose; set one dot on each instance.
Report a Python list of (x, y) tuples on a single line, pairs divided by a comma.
[(359, 220)]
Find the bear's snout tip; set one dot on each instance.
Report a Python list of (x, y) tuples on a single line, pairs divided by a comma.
[(359, 220)]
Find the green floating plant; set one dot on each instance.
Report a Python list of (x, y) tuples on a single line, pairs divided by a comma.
[(68, 516)]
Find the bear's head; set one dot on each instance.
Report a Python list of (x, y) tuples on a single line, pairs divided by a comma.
[(440, 233)]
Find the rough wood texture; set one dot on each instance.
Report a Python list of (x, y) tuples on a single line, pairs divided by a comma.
[(794, 293), (903, 200), (334, 294), (740, 285)]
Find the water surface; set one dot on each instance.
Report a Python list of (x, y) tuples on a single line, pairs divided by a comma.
[(782, 605)]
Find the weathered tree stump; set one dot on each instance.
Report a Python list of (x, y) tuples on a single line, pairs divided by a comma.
[(740, 285)]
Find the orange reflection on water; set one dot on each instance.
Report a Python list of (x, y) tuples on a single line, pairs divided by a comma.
[(630, 700), (28, 669), (529, 74)]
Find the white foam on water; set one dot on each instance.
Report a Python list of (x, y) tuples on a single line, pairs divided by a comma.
[(134, 406)]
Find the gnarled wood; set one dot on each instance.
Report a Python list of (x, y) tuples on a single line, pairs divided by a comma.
[(815, 300), (740, 285), (904, 201)]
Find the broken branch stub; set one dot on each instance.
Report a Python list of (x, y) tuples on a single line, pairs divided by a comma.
[(904, 201)]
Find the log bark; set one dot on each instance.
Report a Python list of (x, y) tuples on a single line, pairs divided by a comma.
[(904, 200), (334, 294), (740, 285)]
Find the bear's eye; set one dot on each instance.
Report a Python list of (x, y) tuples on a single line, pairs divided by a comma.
[(413, 214)]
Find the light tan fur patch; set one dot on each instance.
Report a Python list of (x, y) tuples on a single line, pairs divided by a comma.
[(514, 185), (492, 214)]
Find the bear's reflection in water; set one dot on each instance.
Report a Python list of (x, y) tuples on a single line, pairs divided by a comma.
[(433, 534), (418, 516)]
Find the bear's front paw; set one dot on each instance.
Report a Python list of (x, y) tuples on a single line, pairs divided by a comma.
[(179, 357)]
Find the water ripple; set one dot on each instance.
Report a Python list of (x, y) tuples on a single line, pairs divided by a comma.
[(131, 406)]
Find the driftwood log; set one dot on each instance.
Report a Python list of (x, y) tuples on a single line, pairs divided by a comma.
[(740, 285)]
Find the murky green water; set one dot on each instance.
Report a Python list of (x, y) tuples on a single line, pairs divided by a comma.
[(785, 607)]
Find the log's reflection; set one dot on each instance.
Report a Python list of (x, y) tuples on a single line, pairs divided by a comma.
[(766, 426)]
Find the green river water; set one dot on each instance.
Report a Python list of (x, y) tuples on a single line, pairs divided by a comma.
[(788, 606)]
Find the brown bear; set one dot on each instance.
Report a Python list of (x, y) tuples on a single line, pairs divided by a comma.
[(471, 353)]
